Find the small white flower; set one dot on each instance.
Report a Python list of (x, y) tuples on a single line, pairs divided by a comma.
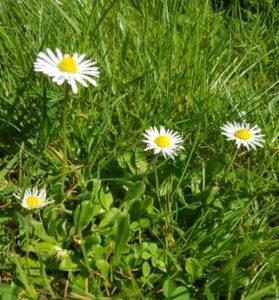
[(60, 253), (61, 67), (166, 141), (33, 198), (243, 134)]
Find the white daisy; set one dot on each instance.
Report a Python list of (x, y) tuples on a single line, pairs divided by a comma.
[(243, 134), (61, 67), (166, 141), (33, 198)]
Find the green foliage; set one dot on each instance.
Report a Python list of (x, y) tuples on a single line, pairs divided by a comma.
[(172, 292), (83, 215), (122, 238), (135, 190), (194, 269), (132, 225)]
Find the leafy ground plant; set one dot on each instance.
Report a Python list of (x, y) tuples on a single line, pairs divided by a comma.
[(86, 211)]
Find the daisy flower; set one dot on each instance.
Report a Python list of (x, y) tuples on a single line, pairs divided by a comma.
[(243, 134), (166, 141), (68, 68), (33, 198)]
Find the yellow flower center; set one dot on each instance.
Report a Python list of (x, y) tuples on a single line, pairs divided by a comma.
[(243, 134), (32, 202), (68, 64), (162, 141)]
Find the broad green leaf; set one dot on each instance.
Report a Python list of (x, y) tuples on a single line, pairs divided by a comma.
[(138, 207), (42, 246), (169, 287), (5, 219), (68, 265), (90, 242), (171, 292), (8, 295), (130, 161), (96, 187), (212, 195), (194, 269), (110, 217), (141, 163), (152, 248), (41, 233), (122, 237), (97, 209), (25, 222), (9, 291), (106, 198), (144, 223), (180, 293), (135, 190), (214, 166), (103, 266), (62, 232), (83, 215), (146, 269), (52, 217), (98, 251), (146, 255)]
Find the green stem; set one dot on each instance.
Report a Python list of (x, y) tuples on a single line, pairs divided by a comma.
[(45, 118), (229, 166), (231, 286), (27, 248), (65, 141)]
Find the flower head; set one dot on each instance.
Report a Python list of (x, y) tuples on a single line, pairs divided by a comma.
[(60, 253), (33, 198), (243, 134), (166, 141), (61, 67)]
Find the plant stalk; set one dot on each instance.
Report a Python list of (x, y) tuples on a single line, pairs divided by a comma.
[(65, 140)]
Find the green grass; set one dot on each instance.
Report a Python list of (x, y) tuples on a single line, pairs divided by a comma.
[(135, 226)]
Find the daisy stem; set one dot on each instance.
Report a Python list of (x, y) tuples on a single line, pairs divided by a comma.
[(152, 165), (28, 220), (65, 141), (44, 117), (231, 163)]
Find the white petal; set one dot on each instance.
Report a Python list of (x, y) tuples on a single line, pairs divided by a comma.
[(52, 56), (59, 54), (73, 85)]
